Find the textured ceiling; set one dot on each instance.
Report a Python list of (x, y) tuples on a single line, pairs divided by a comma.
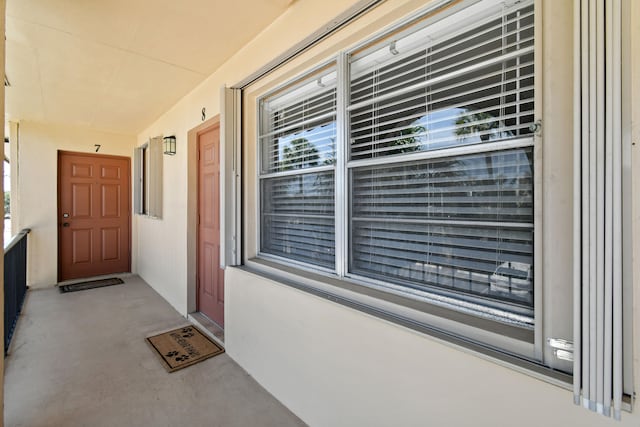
[(119, 64)]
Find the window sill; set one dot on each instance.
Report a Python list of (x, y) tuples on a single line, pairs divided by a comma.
[(449, 328)]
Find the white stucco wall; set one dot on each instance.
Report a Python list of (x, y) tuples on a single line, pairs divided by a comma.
[(36, 177), (334, 366)]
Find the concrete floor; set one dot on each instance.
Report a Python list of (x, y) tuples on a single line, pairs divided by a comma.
[(80, 359)]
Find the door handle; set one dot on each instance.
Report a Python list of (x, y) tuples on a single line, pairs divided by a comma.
[(65, 224)]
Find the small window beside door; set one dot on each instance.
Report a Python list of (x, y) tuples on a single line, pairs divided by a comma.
[(148, 178)]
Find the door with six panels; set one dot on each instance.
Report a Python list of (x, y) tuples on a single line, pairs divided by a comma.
[(94, 215)]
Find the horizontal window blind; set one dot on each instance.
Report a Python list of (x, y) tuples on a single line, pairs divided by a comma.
[(495, 186), (463, 223), (457, 87), (298, 127), (459, 225), (297, 141), (298, 218)]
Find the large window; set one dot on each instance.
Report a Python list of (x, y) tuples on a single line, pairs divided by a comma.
[(423, 215), (408, 165)]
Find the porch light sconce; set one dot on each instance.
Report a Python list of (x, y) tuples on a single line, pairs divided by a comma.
[(169, 145)]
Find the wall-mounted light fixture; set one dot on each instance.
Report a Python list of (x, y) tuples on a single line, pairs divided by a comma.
[(169, 145)]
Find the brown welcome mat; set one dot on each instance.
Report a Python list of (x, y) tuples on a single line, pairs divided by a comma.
[(183, 347), (90, 285)]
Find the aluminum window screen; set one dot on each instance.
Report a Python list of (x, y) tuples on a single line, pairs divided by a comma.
[(297, 141)]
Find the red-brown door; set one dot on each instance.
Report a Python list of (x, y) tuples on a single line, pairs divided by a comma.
[(210, 279), (93, 215)]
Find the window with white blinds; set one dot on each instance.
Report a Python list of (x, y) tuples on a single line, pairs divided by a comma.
[(436, 157), (456, 224), (298, 144)]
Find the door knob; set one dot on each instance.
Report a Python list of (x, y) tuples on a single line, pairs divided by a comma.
[(65, 224)]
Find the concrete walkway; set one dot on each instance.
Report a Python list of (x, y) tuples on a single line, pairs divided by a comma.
[(80, 359)]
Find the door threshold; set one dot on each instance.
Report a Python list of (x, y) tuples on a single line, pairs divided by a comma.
[(208, 326)]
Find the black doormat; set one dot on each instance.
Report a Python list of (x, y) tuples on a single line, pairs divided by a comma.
[(90, 285)]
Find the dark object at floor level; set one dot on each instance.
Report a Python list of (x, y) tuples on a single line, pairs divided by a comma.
[(90, 285)]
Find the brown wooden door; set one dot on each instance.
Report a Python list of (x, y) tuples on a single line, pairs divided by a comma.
[(93, 215), (210, 279)]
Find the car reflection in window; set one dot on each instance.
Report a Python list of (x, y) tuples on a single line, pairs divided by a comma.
[(513, 279)]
